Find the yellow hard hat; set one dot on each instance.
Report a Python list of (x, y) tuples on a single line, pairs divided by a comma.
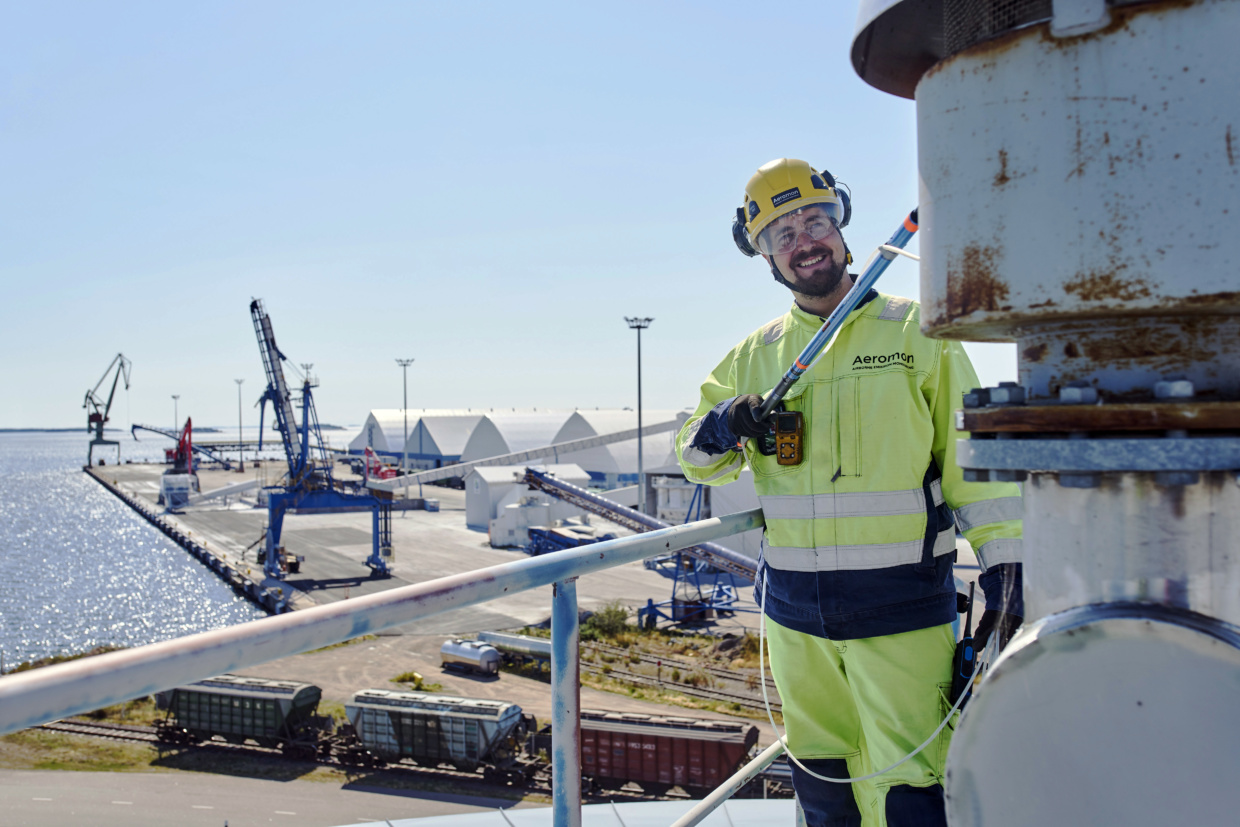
[(781, 187)]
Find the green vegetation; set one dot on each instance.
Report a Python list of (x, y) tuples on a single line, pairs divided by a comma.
[(414, 682), (607, 623), (609, 626), (138, 712), (37, 749), (333, 710)]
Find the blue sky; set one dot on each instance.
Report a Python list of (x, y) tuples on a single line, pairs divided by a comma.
[(485, 187)]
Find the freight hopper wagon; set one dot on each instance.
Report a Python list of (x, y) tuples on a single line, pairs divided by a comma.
[(270, 713), (431, 730), (661, 752)]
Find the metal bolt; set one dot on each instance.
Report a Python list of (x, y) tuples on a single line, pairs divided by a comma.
[(977, 398), (1088, 479), (1008, 393), (1173, 389), (1078, 396)]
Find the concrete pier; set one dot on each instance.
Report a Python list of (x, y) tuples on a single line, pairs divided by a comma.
[(426, 545)]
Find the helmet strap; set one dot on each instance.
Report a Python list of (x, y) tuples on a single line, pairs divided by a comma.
[(779, 277)]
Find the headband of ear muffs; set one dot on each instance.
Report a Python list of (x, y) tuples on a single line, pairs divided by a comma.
[(842, 194)]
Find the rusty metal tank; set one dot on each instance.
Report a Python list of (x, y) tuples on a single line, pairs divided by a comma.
[(1079, 165)]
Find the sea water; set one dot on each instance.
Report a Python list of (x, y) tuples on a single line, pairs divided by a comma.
[(79, 569)]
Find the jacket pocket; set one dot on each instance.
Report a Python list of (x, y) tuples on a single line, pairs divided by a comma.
[(848, 426)]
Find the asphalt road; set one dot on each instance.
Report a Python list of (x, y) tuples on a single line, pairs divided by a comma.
[(43, 798)]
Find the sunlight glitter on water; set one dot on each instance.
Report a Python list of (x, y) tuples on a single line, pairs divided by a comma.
[(79, 569)]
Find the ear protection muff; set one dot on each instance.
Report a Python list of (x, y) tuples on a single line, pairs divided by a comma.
[(740, 236)]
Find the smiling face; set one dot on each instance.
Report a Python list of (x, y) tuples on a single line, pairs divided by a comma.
[(806, 251)]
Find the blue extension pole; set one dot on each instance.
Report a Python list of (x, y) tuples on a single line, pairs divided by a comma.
[(832, 325)]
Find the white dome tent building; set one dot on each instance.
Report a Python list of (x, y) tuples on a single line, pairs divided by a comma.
[(506, 432), (383, 432), (615, 464), (439, 437)]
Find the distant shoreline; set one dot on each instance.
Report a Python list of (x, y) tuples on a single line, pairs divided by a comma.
[(202, 430)]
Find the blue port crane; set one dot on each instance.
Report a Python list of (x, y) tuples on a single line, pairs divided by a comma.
[(99, 409), (309, 484)]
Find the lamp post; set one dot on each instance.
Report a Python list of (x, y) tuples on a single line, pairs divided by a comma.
[(404, 446), (176, 418), (240, 445), (639, 324)]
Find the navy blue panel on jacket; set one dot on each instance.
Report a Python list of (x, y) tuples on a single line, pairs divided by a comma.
[(848, 605)]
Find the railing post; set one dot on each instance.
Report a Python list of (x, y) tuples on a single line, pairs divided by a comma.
[(565, 705)]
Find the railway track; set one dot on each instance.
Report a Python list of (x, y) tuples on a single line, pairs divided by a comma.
[(116, 732), (747, 701), (750, 698)]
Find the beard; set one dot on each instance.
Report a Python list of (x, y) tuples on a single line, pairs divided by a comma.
[(822, 280)]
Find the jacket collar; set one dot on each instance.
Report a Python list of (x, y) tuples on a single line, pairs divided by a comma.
[(814, 321)]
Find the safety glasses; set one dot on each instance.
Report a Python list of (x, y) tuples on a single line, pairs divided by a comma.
[(783, 234)]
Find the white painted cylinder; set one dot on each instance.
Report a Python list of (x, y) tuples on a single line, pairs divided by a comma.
[(1130, 539), (1096, 718)]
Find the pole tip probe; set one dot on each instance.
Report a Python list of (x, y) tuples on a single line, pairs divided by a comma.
[(910, 223)]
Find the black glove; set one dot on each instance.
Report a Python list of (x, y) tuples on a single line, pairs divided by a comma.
[(1000, 623), (743, 417)]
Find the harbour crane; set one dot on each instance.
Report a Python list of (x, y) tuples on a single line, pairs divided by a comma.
[(99, 409), (309, 483), (214, 453)]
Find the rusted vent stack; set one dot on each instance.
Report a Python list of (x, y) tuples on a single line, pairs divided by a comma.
[(1080, 177)]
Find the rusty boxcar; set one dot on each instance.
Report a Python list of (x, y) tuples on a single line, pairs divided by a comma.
[(659, 752)]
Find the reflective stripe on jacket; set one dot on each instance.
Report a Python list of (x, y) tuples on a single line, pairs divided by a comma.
[(860, 537)]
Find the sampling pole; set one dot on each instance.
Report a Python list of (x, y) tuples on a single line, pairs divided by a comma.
[(884, 255)]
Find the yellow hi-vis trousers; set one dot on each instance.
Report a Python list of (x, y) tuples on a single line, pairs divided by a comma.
[(869, 702)]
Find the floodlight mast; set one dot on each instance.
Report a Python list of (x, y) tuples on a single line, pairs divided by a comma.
[(404, 446), (639, 324)]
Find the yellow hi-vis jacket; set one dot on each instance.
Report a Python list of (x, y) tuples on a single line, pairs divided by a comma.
[(860, 537)]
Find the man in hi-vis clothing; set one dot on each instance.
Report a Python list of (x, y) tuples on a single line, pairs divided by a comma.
[(860, 538)]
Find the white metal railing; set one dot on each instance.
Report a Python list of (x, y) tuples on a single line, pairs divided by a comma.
[(41, 695)]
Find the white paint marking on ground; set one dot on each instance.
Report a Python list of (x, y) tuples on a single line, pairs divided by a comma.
[(201, 807), (284, 813), (40, 799), (123, 802)]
